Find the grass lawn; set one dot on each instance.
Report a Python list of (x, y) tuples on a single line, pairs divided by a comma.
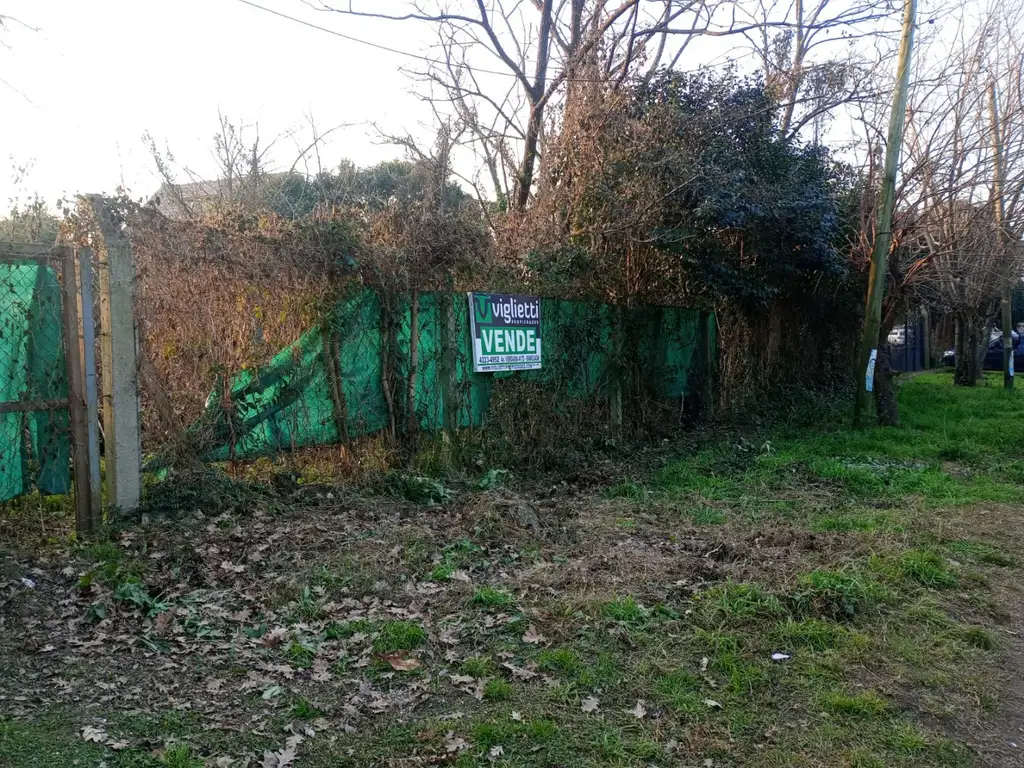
[(824, 597)]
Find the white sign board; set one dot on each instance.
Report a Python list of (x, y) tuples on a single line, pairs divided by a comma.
[(505, 330)]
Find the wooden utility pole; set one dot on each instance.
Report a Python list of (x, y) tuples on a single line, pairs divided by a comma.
[(883, 228), (1000, 212)]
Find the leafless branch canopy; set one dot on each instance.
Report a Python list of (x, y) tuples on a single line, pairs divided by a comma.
[(506, 68)]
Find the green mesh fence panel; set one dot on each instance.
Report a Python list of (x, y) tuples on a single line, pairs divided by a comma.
[(289, 403), (35, 447)]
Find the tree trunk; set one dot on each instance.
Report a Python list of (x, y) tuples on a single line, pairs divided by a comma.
[(886, 404), (774, 350), (525, 181), (537, 103), (970, 350), (795, 71), (386, 347)]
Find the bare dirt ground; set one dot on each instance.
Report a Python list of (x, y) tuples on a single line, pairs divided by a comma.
[(1000, 741)]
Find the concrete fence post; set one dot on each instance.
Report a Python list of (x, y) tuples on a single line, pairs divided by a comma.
[(118, 350)]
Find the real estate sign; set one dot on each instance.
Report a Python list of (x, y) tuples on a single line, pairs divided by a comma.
[(506, 332)]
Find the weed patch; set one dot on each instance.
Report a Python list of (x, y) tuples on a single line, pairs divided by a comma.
[(346, 629), (489, 597), (399, 636), (926, 568), (498, 689), (625, 610), (866, 704), (811, 633), (733, 602), (835, 594)]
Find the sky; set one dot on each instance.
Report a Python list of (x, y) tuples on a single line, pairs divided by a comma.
[(77, 95), (78, 92)]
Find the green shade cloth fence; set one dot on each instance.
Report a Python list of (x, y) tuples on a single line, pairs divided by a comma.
[(289, 403), (35, 448)]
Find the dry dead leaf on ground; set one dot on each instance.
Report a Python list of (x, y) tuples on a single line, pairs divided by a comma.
[(275, 637), (639, 710), (712, 703), (400, 664), (533, 636), (214, 685), (516, 716), (162, 623), (590, 704), (495, 752), (281, 669), (285, 757), (520, 673), (478, 690), (462, 679), (94, 734), (321, 674), (455, 743)]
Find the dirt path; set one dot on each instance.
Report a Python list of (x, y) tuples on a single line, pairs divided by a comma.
[(1001, 743)]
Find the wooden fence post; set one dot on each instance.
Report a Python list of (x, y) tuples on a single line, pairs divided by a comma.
[(76, 396), (122, 439), (332, 367), (448, 362), (87, 339)]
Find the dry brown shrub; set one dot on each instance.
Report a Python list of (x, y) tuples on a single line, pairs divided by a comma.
[(225, 294), (589, 233)]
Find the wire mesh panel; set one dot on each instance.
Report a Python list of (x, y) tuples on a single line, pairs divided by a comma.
[(34, 440)]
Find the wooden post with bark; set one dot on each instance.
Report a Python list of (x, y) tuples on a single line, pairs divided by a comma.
[(883, 228)]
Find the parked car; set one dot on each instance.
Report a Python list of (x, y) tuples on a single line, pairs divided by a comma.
[(994, 354)]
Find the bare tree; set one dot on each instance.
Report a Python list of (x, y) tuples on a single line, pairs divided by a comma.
[(507, 69), (245, 163), (947, 253), (7, 22)]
